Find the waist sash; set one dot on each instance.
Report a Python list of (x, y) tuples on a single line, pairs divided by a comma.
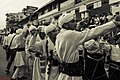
[(72, 69)]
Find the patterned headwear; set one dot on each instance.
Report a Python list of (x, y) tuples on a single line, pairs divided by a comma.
[(92, 46)]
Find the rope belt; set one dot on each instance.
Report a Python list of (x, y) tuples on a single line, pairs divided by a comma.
[(72, 69)]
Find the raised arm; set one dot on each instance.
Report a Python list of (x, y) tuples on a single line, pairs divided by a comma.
[(21, 35), (84, 36)]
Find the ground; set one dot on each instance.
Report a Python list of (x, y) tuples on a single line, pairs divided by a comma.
[(3, 63)]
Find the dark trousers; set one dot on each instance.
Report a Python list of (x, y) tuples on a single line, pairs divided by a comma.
[(12, 57), (114, 74), (94, 70), (7, 54)]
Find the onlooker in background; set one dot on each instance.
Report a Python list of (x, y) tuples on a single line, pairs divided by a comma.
[(10, 52), (5, 45)]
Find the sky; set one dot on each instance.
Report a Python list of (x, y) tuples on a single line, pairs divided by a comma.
[(14, 6)]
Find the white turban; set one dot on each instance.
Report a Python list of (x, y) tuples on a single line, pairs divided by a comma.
[(31, 28), (18, 31), (92, 46), (65, 18), (50, 28)]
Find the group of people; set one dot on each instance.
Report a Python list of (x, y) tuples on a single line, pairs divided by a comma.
[(70, 50)]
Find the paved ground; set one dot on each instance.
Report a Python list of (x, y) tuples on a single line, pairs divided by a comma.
[(3, 62)]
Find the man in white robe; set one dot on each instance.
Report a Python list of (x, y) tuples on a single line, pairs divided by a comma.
[(38, 48), (19, 42), (29, 55), (68, 40)]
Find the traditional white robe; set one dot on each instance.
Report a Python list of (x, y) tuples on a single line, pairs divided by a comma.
[(37, 45), (19, 42), (67, 43), (37, 70), (20, 58)]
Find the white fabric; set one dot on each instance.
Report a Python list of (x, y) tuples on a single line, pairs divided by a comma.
[(18, 31), (20, 56), (37, 70), (54, 73), (42, 28), (32, 40), (19, 72), (19, 59), (27, 45), (19, 42), (29, 56), (67, 43), (89, 43), (109, 17), (49, 28), (37, 45), (10, 36), (115, 53), (65, 18), (31, 28), (51, 45), (5, 41)]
